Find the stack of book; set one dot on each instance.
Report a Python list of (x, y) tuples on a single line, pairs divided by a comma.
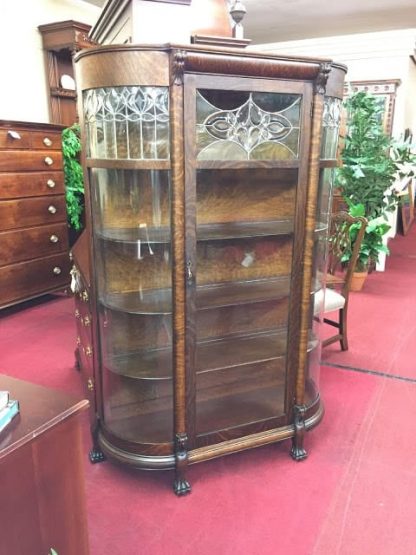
[(8, 409)]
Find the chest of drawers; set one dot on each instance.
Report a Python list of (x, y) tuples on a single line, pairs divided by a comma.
[(34, 251)]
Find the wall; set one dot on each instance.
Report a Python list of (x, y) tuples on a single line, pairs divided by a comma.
[(23, 91), (369, 56)]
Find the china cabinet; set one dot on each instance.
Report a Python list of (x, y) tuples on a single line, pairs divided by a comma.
[(209, 175)]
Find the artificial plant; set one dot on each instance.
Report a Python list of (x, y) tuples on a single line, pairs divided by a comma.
[(367, 171), (74, 181), (372, 244)]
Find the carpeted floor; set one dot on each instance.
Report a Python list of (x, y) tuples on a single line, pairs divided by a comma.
[(354, 495), (381, 320)]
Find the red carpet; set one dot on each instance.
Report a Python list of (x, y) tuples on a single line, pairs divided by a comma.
[(354, 495), (381, 318)]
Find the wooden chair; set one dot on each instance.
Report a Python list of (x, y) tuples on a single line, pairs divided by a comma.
[(339, 276)]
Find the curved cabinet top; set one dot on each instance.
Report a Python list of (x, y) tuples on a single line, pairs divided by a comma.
[(162, 65)]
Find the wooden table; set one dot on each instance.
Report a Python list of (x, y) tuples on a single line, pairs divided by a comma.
[(41, 474)]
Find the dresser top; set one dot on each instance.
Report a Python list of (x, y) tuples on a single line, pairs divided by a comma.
[(31, 125)]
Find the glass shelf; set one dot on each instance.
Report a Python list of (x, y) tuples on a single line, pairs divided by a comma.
[(212, 355), (206, 232), (159, 301)]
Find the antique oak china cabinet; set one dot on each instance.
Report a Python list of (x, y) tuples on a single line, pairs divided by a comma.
[(209, 174)]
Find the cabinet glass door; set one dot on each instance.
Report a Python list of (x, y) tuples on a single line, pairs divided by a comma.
[(246, 156)]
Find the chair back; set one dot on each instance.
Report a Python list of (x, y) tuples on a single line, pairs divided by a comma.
[(340, 244)]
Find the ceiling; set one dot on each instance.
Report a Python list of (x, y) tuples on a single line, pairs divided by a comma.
[(282, 20)]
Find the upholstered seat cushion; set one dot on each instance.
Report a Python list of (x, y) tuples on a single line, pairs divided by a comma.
[(333, 300)]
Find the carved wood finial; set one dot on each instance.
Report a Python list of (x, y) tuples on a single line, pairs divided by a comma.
[(237, 12), (178, 66), (322, 78)]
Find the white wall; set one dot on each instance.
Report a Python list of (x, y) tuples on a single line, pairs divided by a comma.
[(369, 56), (23, 90)]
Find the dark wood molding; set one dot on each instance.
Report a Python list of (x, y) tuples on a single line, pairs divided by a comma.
[(227, 42), (322, 78)]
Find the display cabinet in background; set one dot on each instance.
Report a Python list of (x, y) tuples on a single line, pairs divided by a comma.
[(209, 177), (61, 40)]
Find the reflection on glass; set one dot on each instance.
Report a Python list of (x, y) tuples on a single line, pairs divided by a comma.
[(330, 127), (127, 122), (314, 362), (234, 125), (131, 230), (324, 204), (242, 297)]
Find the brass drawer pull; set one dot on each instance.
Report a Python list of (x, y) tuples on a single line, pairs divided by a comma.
[(47, 141), (50, 183), (87, 321), (77, 313), (88, 351), (48, 161), (57, 270), (14, 134), (90, 384), (84, 296), (53, 238), (78, 341), (52, 209)]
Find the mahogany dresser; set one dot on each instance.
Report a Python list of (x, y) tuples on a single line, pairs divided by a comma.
[(34, 252)]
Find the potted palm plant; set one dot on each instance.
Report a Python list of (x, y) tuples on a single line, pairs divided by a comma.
[(372, 245)]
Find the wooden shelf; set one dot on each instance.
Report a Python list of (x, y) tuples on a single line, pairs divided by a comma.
[(211, 355), (159, 301), (252, 404), (149, 301), (241, 292), (205, 232), (231, 411)]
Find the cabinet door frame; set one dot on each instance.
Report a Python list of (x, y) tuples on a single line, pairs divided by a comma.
[(192, 82)]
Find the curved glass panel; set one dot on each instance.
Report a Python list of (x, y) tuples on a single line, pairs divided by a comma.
[(247, 126), (330, 127), (129, 123), (132, 250)]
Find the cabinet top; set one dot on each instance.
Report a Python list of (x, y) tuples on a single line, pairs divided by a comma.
[(199, 48), (40, 409), (164, 64)]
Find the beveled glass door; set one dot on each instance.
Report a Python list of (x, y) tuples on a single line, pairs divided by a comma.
[(243, 200)]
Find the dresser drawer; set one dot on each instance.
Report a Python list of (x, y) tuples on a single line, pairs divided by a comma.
[(46, 139), (16, 161), (15, 138), (31, 184), (25, 244), (15, 214), (28, 279)]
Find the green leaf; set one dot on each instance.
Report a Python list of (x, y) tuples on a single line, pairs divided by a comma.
[(73, 175)]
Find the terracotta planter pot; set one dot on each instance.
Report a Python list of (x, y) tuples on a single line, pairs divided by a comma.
[(358, 279)]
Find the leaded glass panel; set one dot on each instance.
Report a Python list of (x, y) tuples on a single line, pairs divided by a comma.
[(235, 125), (127, 123), (330, 127)]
